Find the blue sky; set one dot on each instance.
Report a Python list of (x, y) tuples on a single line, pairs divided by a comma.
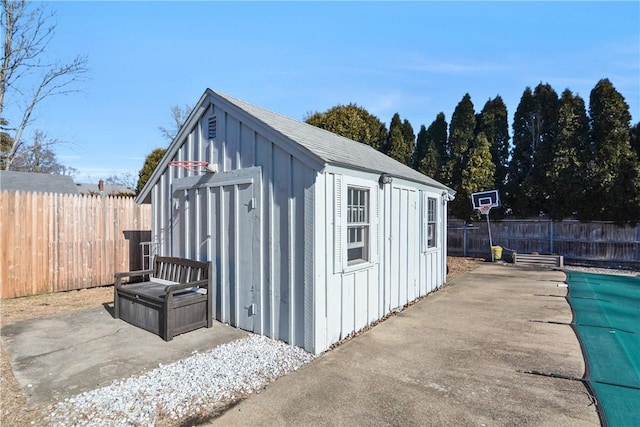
[(414, 58)]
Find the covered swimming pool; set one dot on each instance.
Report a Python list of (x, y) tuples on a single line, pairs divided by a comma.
[(606, 319)]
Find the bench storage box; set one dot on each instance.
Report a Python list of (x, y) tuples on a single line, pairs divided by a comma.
[(175, 299)]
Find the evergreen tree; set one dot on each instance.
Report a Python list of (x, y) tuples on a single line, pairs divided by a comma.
[(432, 142), (353, 122), (534, 141), (626, 196), (569, 169), (430, 164), (615, 188), (150, 164), (409, 139), (461, 137), (396, 145), (478, 175), (545, 121), (634, 134), (518, 195), (437, 133), (493, 122), (421, 148)]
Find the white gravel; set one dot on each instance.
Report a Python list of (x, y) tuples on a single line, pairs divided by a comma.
[(189, 387)]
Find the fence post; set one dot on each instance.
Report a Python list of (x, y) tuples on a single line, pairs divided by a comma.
[(464, 239), (551, 231)]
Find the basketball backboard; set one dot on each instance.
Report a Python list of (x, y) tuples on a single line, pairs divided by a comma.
[(483, 198)]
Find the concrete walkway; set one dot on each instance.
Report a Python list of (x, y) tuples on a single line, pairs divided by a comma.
[(58, 357), (451, 359)]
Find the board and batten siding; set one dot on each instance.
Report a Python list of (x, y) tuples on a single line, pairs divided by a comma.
[(433, 261), (262, 197), (348, 298)]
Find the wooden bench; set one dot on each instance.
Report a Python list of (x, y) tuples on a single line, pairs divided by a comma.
[(176, 298), (536, 259)]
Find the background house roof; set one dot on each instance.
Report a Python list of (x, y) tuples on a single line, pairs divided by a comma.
[(330, 147), (109, 189), (36, 182)]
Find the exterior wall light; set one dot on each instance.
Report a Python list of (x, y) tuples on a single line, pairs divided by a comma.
[(385, 179)]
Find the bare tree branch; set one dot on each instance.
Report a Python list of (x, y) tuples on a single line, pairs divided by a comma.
[(26, 37), (39, 156), (179, 116)]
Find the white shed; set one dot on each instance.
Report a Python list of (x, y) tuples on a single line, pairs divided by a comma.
[(311, 236)]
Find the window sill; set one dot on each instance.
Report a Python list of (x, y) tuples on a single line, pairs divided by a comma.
[(358, 267)]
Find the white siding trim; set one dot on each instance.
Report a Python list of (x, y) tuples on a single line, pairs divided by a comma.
[(338, 213)]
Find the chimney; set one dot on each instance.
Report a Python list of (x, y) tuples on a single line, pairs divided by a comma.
[(101, 185)]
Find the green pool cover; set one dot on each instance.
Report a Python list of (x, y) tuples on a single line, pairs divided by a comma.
[(606, 318)]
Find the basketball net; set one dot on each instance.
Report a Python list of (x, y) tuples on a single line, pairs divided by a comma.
[(193, 165), (484, 209)]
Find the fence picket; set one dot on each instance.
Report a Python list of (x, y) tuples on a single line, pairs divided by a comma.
[(54, 242)]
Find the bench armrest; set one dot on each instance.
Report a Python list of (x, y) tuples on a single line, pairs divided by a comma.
[(119, 276)]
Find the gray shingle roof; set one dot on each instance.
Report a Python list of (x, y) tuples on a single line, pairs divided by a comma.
[(330, 147), (36, 182)]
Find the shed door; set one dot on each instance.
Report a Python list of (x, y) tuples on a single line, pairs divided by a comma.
[(233, 224)]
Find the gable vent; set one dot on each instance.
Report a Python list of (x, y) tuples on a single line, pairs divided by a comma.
[(213, 125)]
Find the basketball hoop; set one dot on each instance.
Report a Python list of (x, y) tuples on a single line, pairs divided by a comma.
[(194, 165), (484, 209)]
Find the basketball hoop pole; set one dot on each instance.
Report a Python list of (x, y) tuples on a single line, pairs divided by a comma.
[(485, 210), (484, 201)]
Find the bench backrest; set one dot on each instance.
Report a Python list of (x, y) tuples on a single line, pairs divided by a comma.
[(180, 270)]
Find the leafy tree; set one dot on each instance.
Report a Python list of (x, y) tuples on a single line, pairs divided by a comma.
[(150, 164), (179, 116), (461, 137), (353, 122), (478, 175), (493, 122), (568, 172), (396, 145), (39, 157), (25, 75), (615, 190)]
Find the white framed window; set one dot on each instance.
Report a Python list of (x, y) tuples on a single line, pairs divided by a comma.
[(429, 240), (355, 222), (432, 220), (358, 206)]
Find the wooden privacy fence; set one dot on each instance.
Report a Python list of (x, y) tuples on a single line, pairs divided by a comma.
[(596, 243), (55, 242)]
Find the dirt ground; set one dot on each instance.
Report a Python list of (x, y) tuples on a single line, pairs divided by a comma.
[(14, 408)]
